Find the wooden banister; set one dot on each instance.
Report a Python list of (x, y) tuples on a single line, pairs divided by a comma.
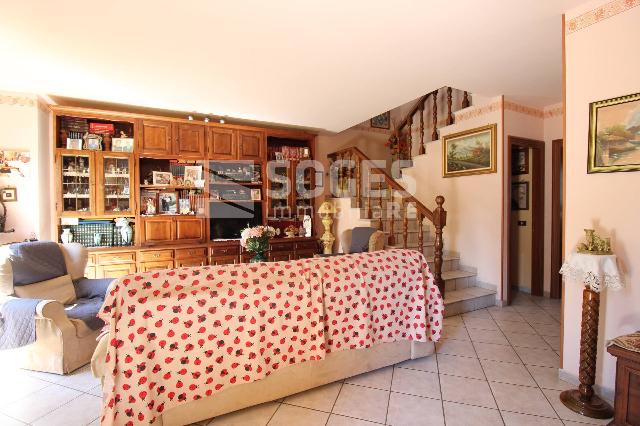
[(438, 216)]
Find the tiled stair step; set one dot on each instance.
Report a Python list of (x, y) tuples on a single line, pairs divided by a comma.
[(457, 279), (449, 262), (466, 300)]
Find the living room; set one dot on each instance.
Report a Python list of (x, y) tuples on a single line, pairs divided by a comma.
[(203, 240)]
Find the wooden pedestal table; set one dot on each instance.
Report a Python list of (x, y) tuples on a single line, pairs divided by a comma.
[(595, 272)]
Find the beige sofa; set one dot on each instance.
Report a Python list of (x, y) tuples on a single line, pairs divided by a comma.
[(287, 381), (62, 344)]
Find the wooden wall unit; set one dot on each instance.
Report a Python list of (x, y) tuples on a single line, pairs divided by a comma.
[(161, 241)]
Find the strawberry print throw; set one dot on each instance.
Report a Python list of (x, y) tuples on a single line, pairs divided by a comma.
[(181, 335)]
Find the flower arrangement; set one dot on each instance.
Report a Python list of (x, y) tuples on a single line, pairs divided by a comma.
[(256, 239)]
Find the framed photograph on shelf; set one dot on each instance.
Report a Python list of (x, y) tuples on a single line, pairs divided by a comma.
[(168, 202), (8, 194), (74, 143), (162, 178), (520, 196), (192, 174), (215, 194), (148, 202), (93, 142), (122, 144), (520, 161), (256, 194), (382, 121), (185, 205), (614, 135), (471, 152)]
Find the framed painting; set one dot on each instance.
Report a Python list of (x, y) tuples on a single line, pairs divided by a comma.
[(382, 121), (520, 196), (614, 135), (471, 152), (520, 161)]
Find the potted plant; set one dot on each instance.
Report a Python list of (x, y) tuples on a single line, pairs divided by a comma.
[(256, 239)]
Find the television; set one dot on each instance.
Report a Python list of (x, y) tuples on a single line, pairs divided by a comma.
[(227, 220)]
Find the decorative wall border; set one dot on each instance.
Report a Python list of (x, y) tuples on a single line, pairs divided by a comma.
[(476, 112), (523, 109), (554, 111), (17, 100), (599, 14)]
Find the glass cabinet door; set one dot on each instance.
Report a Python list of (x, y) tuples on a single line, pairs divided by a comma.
[(114, 189), (77, 184), (279, 190)]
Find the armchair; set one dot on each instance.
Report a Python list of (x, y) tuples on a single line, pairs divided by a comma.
[(362, 239), (50, 277)]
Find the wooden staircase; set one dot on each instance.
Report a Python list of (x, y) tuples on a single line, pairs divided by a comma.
[(386, 205)]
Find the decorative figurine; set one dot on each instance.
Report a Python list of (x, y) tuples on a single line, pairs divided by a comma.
[(66, 236), (126, 232), (594, 244)]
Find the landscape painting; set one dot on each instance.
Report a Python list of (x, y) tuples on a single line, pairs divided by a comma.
[(614, 135), (470, 152)]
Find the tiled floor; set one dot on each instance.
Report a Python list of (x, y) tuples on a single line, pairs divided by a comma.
[(494, 366)]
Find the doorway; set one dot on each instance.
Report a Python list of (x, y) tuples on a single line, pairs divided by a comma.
[(525, 217), (557, 194)]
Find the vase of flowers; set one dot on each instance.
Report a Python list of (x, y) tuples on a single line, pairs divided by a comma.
[(256, 239)]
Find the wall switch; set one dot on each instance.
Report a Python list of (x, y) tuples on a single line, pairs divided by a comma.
[(522, 223)]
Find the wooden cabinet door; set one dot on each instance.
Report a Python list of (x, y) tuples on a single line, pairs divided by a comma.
[(76, 183), (157, 230), (251, 145), (115, 270), (156, 265), (303, 254), (194, 261), (155, 137), (189, 229), (224, 260), (114, 192), (278, 256), (188, 140), (222, 144)]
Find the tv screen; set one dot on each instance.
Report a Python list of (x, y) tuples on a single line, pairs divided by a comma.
[(227, 220)]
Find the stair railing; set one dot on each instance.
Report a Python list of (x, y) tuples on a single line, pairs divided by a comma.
[(405, 125), (351, 162)]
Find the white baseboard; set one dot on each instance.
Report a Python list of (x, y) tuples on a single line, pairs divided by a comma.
[(605, 393)]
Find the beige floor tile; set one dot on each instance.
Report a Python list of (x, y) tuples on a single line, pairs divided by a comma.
[(496, 352), (414, 382), (455, 332), (515, 326), (488, 336), (480, 313), (460, 366), (547, 378), (553, 341), (453, 321), (456, 347), (336, 420), (539, 317), (480, 323), (526, 340), (363, 403), (79, 412), (466, 391), (379, 379), (15, 387), (409, 410), (427, 363), (39, 403), (8, 421), (320, 398), (81, 380), (507, 372), (522, 399), (541, 357), (97, 391), (512, 316), (566, 414), (288, 415), (468, 415), (547, 329), (258, 415), (517, 419)]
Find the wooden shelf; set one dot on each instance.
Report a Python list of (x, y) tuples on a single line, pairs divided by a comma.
[(235, 183), (236, 201), (161, 187)]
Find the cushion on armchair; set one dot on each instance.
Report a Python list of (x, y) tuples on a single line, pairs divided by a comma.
[(360, 239), (60, 289)]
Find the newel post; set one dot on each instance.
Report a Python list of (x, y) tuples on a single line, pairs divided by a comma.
[(439, 222)]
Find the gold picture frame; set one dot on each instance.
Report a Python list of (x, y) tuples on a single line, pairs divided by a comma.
[(471, 152), (614, 135)]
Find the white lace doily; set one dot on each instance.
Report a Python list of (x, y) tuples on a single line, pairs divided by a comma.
[(595, 271)]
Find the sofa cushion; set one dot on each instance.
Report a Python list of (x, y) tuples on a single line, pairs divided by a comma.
[(60, 289), (88, 288), (84, 315)]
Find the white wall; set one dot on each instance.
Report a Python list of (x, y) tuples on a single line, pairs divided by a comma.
[(25, 127), (602, 62)]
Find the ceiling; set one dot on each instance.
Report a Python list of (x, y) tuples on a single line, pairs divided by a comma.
[(325, 64)]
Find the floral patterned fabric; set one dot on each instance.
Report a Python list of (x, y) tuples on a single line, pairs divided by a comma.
[(185, 334)]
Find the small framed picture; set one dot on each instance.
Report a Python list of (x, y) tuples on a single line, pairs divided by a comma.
[(520, 161), (382, 121), (215, 194), (279, 156), (149, 202), (122, 144), (162, 178), (93, 142), (520, 196), (8, 194), (256, 194), (74, 143), (185, 206), (168, 202), (192, 174)]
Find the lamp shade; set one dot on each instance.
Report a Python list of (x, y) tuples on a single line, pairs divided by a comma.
[(327, 208)]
